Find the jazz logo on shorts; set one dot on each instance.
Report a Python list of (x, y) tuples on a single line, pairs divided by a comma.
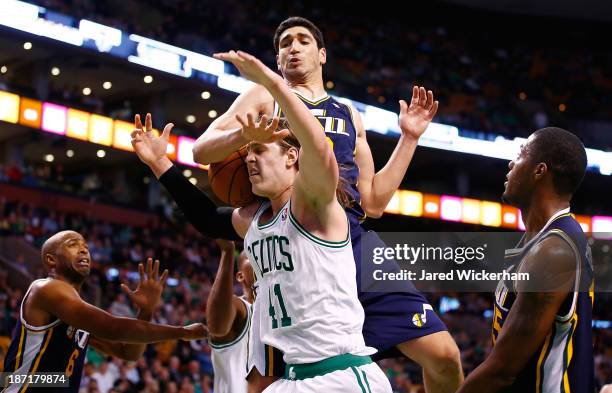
[(421, 319)]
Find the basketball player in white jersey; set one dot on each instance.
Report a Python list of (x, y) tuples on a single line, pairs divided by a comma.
[(228, 318), (299, 242)]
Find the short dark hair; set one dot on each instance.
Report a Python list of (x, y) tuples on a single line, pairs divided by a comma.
[(298, 21), (564, 155)]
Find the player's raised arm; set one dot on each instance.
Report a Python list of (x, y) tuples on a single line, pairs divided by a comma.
[(318, 177), (146, 298), (377, 188), (61, 300), (224, 135), (530, 319), (198, 208)]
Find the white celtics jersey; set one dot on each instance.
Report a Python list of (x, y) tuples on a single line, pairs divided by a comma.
[(306, 290), (229, 360)]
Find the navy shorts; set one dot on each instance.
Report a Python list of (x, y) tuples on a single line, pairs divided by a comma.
[(391, 318)]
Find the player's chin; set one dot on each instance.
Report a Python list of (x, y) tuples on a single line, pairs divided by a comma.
[(507, 197)]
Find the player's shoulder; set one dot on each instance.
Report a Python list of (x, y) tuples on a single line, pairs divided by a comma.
[(50, 287)]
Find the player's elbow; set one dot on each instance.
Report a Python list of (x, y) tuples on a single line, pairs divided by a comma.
[(199, 152), (372, 210)]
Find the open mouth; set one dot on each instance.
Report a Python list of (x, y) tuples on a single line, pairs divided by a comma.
[(83, 262)]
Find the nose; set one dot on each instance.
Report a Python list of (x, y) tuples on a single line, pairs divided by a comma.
[(250, 156), (295, 46)]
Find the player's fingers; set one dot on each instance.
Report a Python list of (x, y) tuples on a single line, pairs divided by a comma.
[(137, 122), (148, 123), (141, 272), (163, 278), (135, 134), (415, 95), (250, 120), (245, 56), (422, 96), (403, 106), (274, 124), (278, 135), (167, 130), (156, 270), (126, 290), (149, 267), (263, 122), (241, 120), (434, 109), (430, 100)]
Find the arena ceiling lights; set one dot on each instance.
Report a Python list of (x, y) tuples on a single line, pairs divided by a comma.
[(187, 64)]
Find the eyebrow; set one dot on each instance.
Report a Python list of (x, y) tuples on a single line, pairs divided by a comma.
[(299, 35)]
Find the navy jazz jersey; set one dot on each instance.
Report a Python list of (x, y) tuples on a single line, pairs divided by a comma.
[(337, 121), (564, 361), (55, 347)]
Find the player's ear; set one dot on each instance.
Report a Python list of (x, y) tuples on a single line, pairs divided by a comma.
[(292, 156), (540, 170), (239, 276), (49, 261), (322, 56)]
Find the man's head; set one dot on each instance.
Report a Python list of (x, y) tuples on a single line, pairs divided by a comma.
[(66, 255), (552, 158), (273, 166), (245, 274), (300, 49)]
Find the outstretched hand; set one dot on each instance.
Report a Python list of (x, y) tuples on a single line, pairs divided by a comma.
[(414, 119), (250, 67), (260, 131), (147, 294), (149, 147)]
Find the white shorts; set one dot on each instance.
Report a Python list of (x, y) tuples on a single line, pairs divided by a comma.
[(368, 378)]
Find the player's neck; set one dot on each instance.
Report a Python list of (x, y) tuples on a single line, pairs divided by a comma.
[(537, 214), (277, 202), (248, 293), (75, 285), (311, 87)]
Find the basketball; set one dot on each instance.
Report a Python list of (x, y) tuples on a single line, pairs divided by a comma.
[(229, 180)]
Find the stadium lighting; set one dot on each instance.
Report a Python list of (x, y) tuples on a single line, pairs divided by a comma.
[(148, 79), (193, 180), (3, 69), (107, 85), (49, 157), (69, 153), (522, 96), (187, 173), (27, 45), (212, 114), (329, 85), (55, 71), (146, 180), (205, 95), (190, 119), (101, 153), (562, 107), (86, 91)]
